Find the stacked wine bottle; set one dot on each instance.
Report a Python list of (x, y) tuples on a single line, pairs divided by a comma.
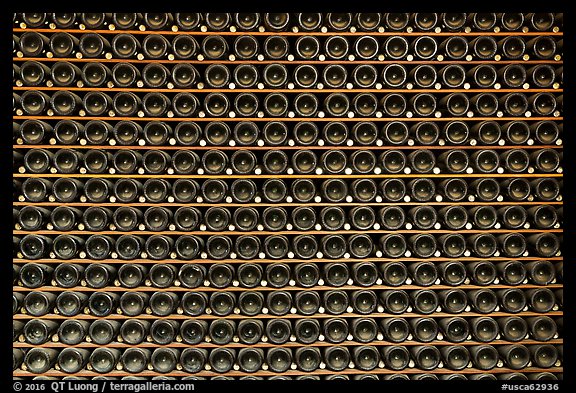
[(288, 196)]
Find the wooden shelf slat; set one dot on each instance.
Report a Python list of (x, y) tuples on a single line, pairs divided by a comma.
[(296, 316)]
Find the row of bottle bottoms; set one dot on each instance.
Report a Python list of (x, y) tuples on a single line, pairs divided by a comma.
[(278, 359), (279, 275), (334, 246), (32, 44), (282, 302), (277, 161), (309, 134), (278, 331), (277, 218), (253, 21), (32, 73), (518, 376), (156, 190), (230, 105)]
